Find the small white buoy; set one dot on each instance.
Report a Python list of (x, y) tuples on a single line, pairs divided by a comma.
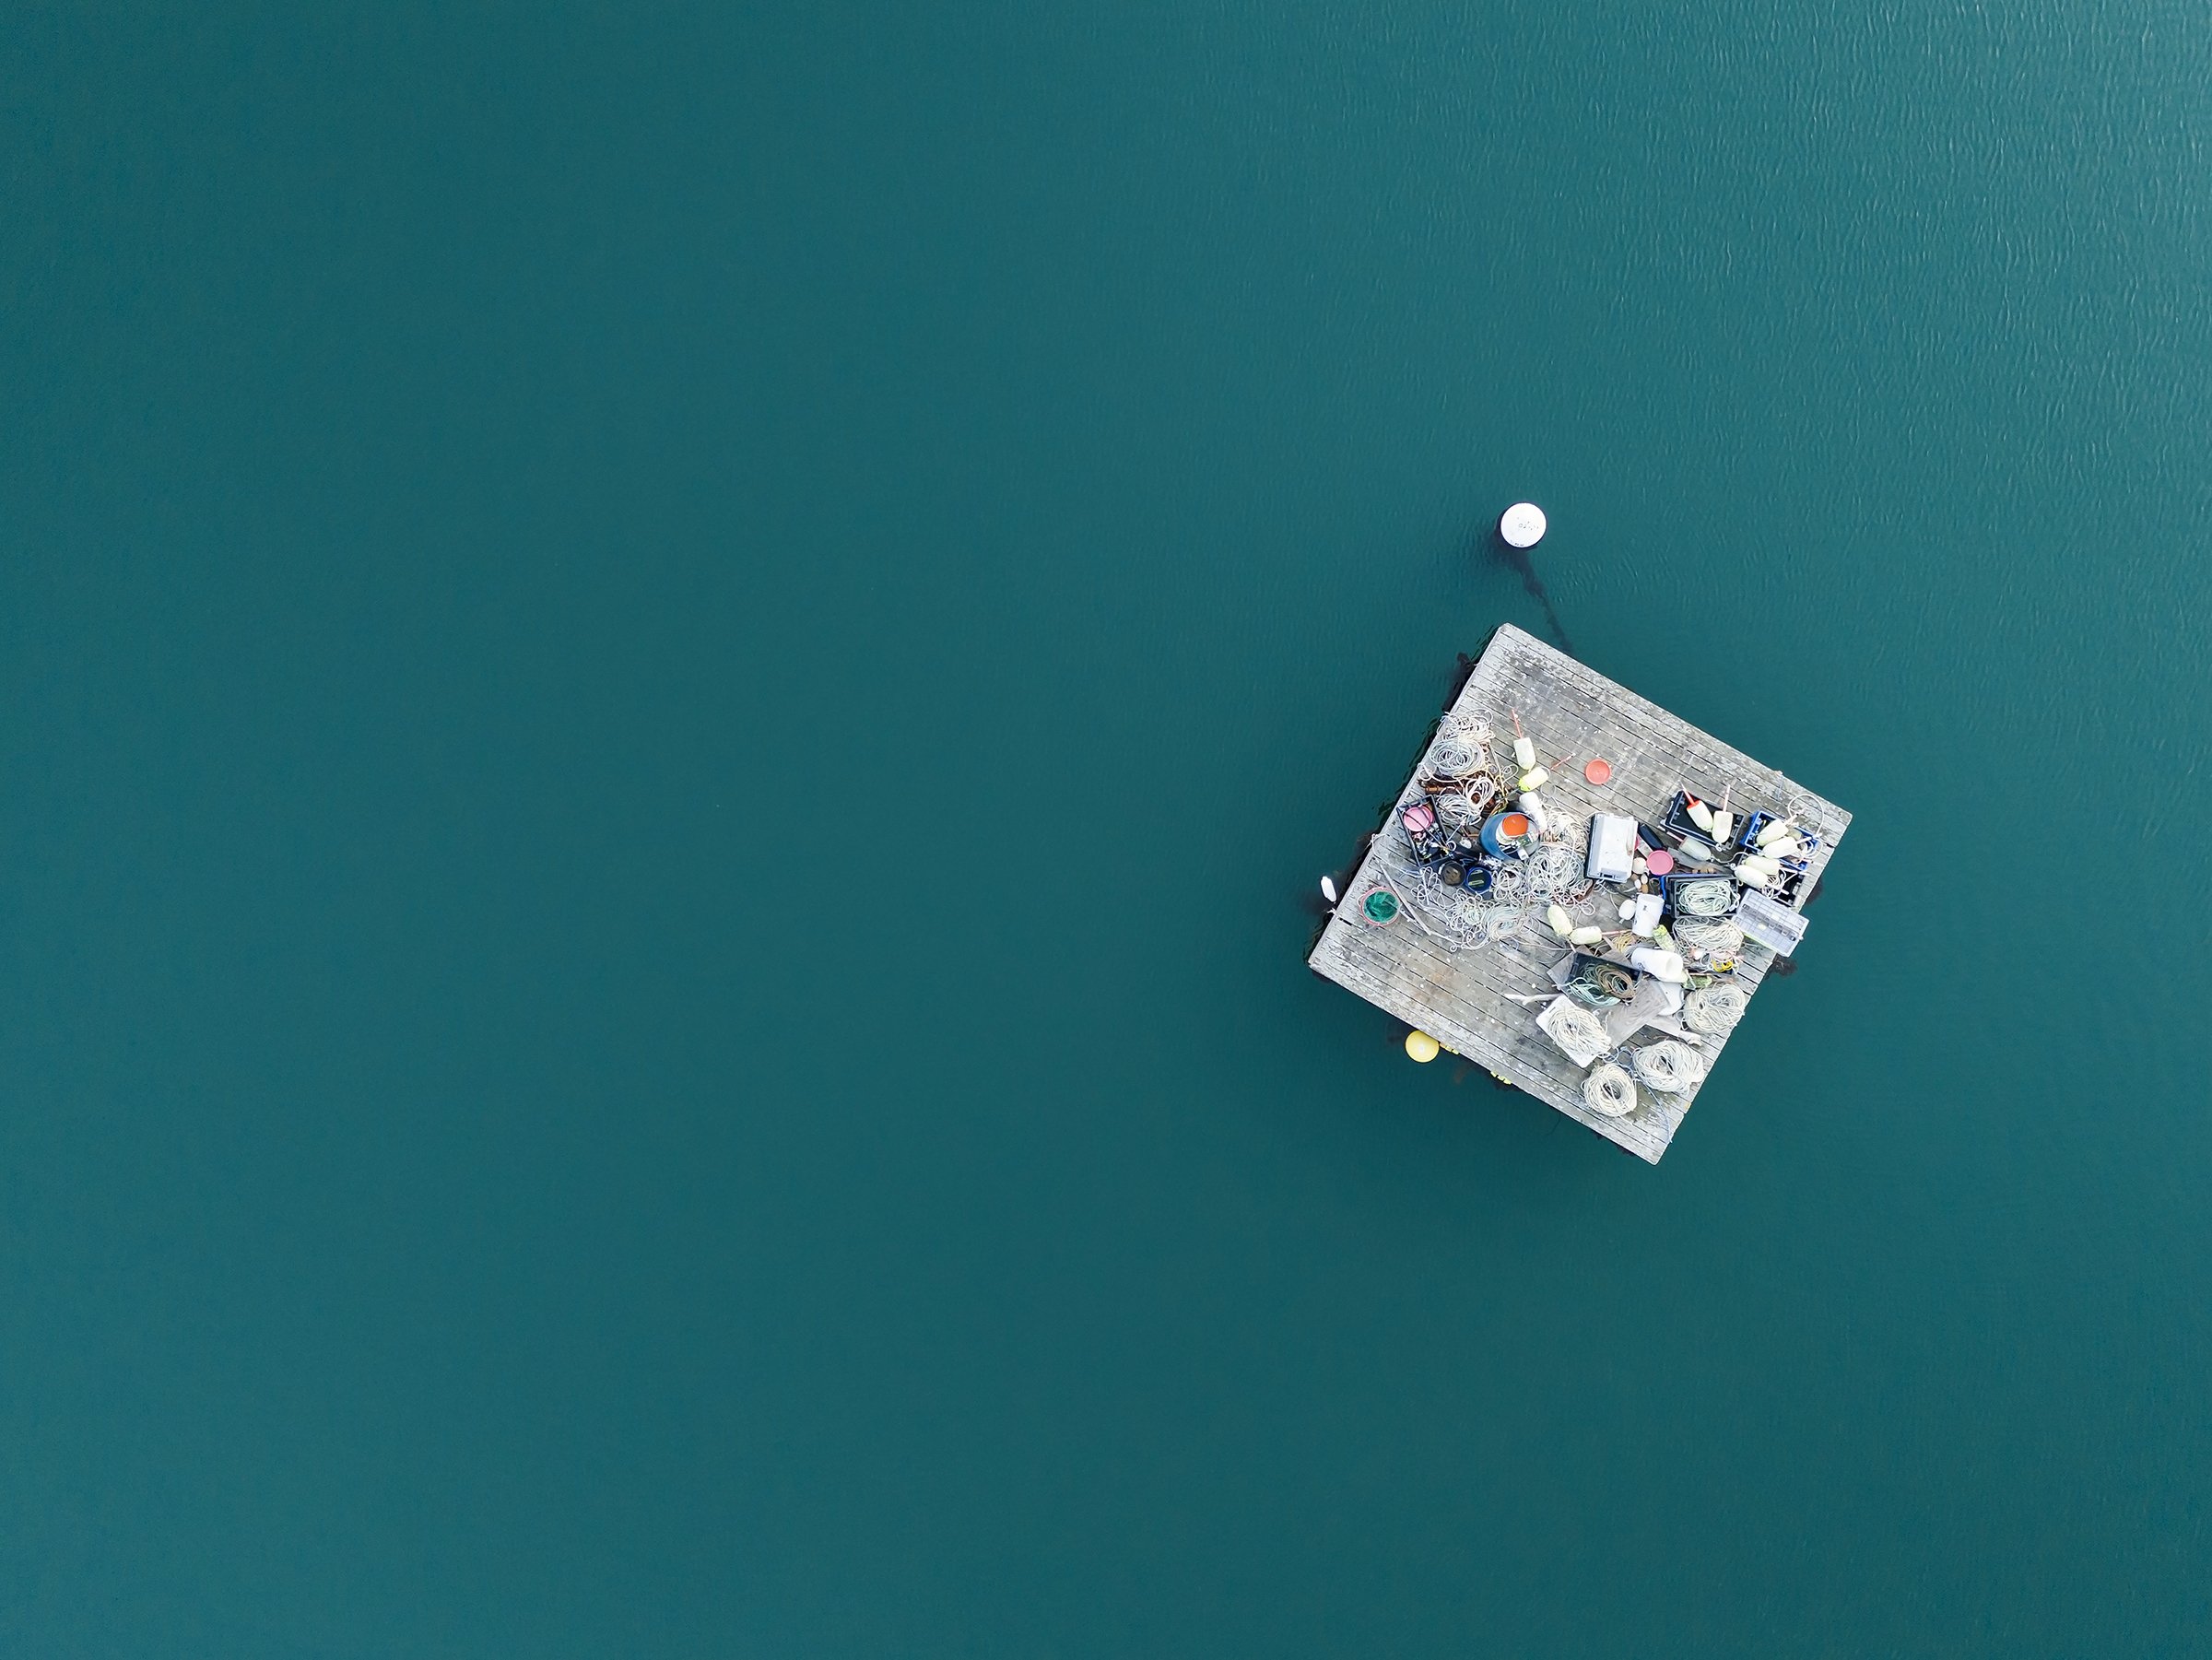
[(1522, 525), (1328, 891)]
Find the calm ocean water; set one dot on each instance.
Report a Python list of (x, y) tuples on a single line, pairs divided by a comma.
[(672, 685)]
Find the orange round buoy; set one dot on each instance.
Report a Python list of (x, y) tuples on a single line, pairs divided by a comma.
[(1599, 772), (1516, 824)]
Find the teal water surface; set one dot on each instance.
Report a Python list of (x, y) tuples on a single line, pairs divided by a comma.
[(672, 681)]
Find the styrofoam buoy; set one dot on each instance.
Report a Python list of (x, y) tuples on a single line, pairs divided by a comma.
[(1522, 525), (1421, 1046)]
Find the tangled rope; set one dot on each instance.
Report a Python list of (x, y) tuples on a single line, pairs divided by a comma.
[(1608, 980), (1452, 756), (1713, 899), (1713, 1010), (1669, 1065), (1465, 800), (1609, 1092), (1509, 884), (1450, 916), (1573, 1027), (1553, 871), (1717, 935)]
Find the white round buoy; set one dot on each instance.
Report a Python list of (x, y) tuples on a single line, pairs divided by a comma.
[(1522, 525)]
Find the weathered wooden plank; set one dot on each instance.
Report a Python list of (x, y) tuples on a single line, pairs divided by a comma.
[(1458, 997)]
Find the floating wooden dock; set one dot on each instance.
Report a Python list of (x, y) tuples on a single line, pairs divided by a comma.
[(1424, 970)]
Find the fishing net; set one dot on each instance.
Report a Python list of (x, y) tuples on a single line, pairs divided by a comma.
[(1713, 1010), (1609, 1092), (1668, 1065)]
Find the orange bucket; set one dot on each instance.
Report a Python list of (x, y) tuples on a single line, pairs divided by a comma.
[(1599, 772)]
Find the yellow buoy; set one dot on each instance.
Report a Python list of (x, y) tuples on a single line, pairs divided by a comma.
[(1421, 1046)]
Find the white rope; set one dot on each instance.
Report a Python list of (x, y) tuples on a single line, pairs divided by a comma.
[(1455, 757), (1669, 1065), (1456, 919), (1707, 899), (1714, 933), (1509, 883), (1465, 800), (1553, 871), (1713, 1010), (1577, 1028), (1609, 1092)]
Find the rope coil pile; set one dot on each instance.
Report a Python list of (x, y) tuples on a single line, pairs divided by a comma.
[(1577, 1028), (1609, 1092), (1465, 800), (1611, 980), (1669, 1065), (1713, 1010), (1456, 757), (1717, 935), (1703, 898)]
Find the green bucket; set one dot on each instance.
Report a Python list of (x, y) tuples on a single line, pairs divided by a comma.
[(1382, 906)]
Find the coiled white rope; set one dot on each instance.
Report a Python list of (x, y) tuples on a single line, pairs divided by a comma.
[(1669, 1065), (1711, 899), (1577, 1028), (1609, 1092), (1715, 934), (1455, 757), (1713, 1010), (1465, 800)]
